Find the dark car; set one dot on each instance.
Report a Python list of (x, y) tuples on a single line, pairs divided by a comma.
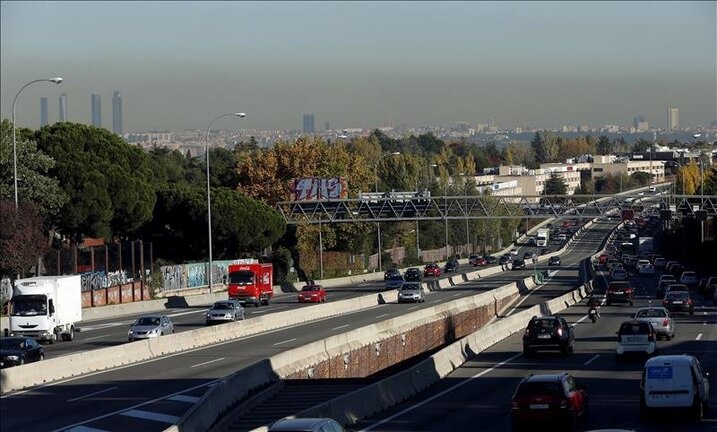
[(518, 264), (548, 398), (15, 351), (390, 273), (554, 260), (412, 274), (504, 259), (619, 292), (451, 266), (679, 301), (490, 259), (529, 255), (306, 425), (544, 251), (432, 270), (548, 333), (472, 258)]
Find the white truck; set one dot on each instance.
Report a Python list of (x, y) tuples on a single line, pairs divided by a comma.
[(46, 307), (543, 236)]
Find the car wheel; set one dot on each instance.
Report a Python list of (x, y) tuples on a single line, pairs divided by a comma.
[(21, 362), (698, 410), (42, 357)]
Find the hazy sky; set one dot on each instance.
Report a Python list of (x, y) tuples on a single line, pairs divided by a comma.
[(363, 64)]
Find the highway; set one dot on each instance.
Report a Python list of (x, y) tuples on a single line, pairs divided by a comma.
[(150, 395), (477, 395)]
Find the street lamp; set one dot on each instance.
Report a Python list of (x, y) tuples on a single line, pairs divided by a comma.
[(56, 80), (209, 195), (375, 171)]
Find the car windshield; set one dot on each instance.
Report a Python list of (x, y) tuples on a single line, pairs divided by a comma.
[(634, 328), (29, 306), (688, 274), (396, 278), (648, 313), (11, 344), (543, 323), (146, 321), (409, 287), (677, 295), (242, 277), (311, 288), (675, 287), (540, 389), (222, 306)]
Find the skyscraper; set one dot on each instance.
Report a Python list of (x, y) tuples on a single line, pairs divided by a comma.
[(326, 126), (117, 114), (673, 118), (637, 120), (63, 107), (308, 123), (96, 110), (43, 111)]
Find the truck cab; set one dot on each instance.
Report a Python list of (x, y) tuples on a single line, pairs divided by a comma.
[(250, 281)]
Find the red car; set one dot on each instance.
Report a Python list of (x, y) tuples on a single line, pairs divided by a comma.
[(432, 270), (312, 293), (480, 261), (548, 398)]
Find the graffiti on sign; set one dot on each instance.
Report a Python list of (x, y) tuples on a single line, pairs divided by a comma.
[(313, 188)]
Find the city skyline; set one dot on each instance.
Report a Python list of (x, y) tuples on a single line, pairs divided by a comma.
[(422, 63)]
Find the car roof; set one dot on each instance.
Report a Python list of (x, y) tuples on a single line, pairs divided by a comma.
[(544, 378), (151, 316), (18, 338), (296, 424), (670, 358)]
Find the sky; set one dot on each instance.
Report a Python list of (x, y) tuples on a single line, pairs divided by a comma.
[(364, 64)]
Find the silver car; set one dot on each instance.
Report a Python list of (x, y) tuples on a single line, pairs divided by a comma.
[(150, 326), (411, 292), (225, 311), (660, 319), (306, 425)]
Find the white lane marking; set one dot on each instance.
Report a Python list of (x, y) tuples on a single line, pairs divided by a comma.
[(148, 415), (436, 396), (456, 294), (286, 341), (382, 315), (591, 360), (119, 323), (93, 338), (267, 310), (84, 429), (91, 394), (184, 398), (340, 327), (699, 336), (207, 362)]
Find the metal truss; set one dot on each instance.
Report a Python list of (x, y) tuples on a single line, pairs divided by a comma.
[(489, 207)]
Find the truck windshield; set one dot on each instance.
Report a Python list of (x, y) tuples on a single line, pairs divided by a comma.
[(242, 277), (29, 305)]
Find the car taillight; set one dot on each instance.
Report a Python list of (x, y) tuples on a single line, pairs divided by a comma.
[(689, 301), (515, 405), (665, 323), (665, 302), (651, 337)]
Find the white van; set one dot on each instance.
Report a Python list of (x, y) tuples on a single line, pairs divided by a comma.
[(674, 381)]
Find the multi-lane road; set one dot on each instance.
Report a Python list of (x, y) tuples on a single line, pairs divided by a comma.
[(150, 395), (477, 395)]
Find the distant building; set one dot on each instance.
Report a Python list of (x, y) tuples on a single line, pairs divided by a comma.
[(326, 126), (63, 108), (309, 124), (96, 110), (673, 118), (610, 165), (117, 126), (43, 112)]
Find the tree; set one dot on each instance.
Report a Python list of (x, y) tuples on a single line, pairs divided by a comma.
[(710, 182), (641, 145), (109, 182), (33, 166), (689, 175), (545, 146), (555, 185), (222, 168), (604, 146), (22, 237)]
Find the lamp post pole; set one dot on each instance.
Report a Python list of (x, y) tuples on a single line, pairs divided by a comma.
[(375, 171), (209, 194), (56, 80)]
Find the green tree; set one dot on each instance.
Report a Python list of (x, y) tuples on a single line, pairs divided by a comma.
[(641, 145), (222, 168), (545, 146), (604, 146), (555, 185), (710, 182), (109, 182), (22, 237)]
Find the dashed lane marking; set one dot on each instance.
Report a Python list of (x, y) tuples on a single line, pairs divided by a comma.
[(340, 327), (91, 394), (208, 362), (591, 360), (184, 398), (699, 336), (148, 415), (286, 341), (84, 429), (382, 315)]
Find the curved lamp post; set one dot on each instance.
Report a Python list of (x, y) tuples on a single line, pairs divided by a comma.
[(56, 80), (375, 172), (209, 195)]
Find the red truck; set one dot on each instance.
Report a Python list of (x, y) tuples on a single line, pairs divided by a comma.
[(250, 281)]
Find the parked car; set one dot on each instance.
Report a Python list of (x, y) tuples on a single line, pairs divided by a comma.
[(554, 260), (548, 333), (432, 270), (674, 381), (660, 319), (619, 274), (689, 278), (306, 425), (412, 274), (18, 350), (518, 264), (619, 292), (451, 266), (390, 273), (316, 293), (636, 336), (150, 326), (394, 282), (411, 292), (548, 398), (225, 311), (678, 301)]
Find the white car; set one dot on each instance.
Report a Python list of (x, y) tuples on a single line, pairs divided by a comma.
[(660, 319), (645, 268), (619, 274), (652, 189), (689, 278), (674, 381), (514, 252), (636, 336)]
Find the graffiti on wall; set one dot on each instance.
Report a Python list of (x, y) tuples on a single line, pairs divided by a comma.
[(101, 279), (192, 275)]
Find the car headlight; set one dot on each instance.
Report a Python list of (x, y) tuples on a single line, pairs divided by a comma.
[(13, 357), (130, 332), (208, 314)]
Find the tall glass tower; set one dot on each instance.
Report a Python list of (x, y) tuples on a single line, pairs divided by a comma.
[(117, 126), (308, 123), (43, 111), (96, 110), (63, 108)]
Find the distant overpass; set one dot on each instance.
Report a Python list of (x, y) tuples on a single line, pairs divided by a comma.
[(444, 208)]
